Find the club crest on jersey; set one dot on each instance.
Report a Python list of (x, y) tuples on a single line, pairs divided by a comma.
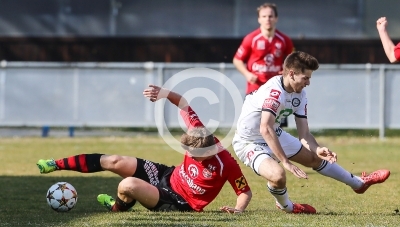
[(207, 173), (295, 102), (274, 94), (260, 44), (240, 182), (193, 171)]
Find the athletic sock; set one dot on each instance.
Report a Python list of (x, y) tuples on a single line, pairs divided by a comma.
[(281, 198), (337, 172), (84, 163), (120, 205)]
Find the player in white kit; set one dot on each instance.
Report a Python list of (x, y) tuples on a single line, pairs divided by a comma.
[(261, 144)]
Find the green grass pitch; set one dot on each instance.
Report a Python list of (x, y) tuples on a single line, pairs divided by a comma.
[(23, 189)]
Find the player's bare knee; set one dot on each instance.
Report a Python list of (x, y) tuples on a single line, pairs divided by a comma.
[(128, 186), (109, 162)]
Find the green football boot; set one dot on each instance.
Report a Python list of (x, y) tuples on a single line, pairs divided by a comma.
[(106, 200), (46, 166)]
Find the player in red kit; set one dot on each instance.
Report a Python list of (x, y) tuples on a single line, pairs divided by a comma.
[(190, 186), (262, 52), (391, 51)]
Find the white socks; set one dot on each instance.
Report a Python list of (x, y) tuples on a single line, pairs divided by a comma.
[(281, 198), (336, 172)]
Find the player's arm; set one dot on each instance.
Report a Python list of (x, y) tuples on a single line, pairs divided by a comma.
[(309, 141), (242, 202), (241, 67), (155, 93), (387, 43), (240, 59), (268, 133), (240, 186)]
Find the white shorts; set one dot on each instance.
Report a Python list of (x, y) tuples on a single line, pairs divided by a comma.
[(253, 153)]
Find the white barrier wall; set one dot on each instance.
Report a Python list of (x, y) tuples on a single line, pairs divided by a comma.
[(110, 94)]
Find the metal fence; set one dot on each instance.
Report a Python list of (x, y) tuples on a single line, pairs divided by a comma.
[(110, 95)]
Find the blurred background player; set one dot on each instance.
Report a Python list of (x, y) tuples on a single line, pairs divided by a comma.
[(261, 144), (391, 51), (262, 52), (190, 186)]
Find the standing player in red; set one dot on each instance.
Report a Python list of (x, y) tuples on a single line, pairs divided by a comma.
[(262, 52), (190, 186), (391, 51)]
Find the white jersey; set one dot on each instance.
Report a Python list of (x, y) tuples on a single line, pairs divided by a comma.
[(273, 98)]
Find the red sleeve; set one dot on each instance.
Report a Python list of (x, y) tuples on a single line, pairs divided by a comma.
[(397, 51), (235, 175), (243, 53), (190, 117)]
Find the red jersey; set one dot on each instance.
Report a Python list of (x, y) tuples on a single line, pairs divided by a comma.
[(262, 57), (397, 51), (199, 182)]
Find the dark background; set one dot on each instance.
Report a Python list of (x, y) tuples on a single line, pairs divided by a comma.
[(335, 31)]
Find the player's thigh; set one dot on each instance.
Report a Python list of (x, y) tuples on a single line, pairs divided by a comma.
[(125, 166), (146, 194), (307, 158), (272, 171)]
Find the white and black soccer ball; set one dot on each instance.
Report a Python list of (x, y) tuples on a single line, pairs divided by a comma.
[(62, 197)]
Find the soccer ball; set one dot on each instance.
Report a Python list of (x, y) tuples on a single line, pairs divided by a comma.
[(62, 197)]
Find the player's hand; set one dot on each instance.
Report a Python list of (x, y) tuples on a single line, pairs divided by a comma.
[(251, 78), (295, 170), (154, 92), (230, 210), (381, 24), (326, 154)]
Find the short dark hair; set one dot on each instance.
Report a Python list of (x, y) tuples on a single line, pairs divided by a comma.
[(268, 5), (197, 141), (299, 60)]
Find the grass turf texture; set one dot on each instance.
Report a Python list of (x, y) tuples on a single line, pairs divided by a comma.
[(23, 189)]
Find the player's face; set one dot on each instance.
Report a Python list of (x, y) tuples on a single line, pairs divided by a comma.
[(267, 19), (300, 80)]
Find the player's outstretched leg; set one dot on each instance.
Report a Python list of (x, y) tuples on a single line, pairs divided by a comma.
[(83, 163), (300, 209), (46, 166), (375, 177)]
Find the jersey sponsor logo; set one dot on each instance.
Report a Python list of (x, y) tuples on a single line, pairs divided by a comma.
[(207, 173), (263, 68), (152, 172), (269, 59), (282, 114), (274, 94), (193, 171), (272, 104), (240, 183), (260, 44), (295, 102), (195, 188)]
